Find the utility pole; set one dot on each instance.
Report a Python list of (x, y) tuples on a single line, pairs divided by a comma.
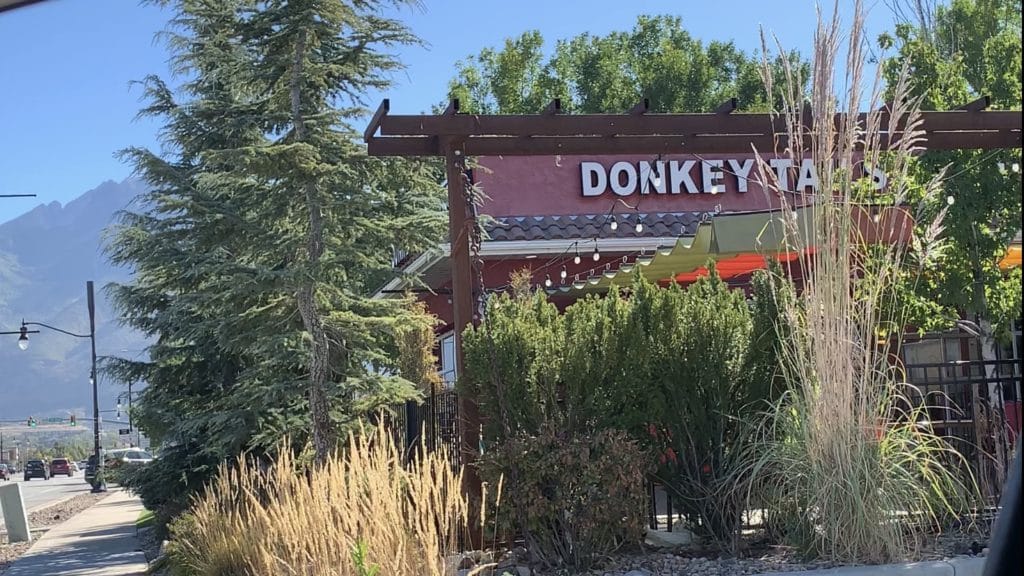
[(95, 385)]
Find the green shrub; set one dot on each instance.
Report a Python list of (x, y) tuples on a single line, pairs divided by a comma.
[(167, 484), (677, 369), (574, 499)]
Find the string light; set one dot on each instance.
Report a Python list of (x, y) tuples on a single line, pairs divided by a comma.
[(614, 225), (564, 273), (657, 173), (714, 189), (639, 225), (950, 200), (597, 253), (547, 281), (576, 259)]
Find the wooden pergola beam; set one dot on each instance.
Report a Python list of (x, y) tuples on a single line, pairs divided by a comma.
[(694, 144), (583, 125), (727, 107)]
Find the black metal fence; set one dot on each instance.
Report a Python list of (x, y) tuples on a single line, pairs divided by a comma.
[(434, 425), (975, 404)]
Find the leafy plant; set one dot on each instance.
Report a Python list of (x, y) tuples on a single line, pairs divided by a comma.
[(359, 559), (581, 497)]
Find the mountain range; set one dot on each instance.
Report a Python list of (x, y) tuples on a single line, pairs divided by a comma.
[(46, 257)]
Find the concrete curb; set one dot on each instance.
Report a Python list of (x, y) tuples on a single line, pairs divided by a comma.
[(952, 567)]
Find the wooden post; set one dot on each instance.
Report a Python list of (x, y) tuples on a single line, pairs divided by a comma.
[(464, 296)]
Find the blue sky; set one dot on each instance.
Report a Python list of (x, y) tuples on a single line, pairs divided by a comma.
[(66, 104)]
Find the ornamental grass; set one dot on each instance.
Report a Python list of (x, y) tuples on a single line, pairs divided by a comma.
[(846, 461), (360, 513)]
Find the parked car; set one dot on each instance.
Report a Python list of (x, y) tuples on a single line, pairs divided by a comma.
[(5, 473), (36, 469), (61, 466), (115, 458)]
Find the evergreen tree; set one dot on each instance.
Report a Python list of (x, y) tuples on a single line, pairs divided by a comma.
[(265, 232)]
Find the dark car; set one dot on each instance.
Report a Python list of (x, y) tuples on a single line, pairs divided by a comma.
[(61, 466), (36, 469), (90, 469), (5, 473)]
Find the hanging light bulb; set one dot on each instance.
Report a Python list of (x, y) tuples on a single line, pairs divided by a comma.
[(597, 253), (563, 273), (714, 189), (639, 224), (608, 272), (547, 281), (950, 200), (614, 225), (576, 259)]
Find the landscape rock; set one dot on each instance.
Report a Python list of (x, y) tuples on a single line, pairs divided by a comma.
[(678, 538)]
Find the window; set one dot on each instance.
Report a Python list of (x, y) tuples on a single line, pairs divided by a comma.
[(447, 345)]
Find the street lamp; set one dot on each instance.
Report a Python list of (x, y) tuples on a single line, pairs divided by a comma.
[(23, 344)]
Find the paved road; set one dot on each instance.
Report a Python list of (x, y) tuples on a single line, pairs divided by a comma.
[(38, 493)]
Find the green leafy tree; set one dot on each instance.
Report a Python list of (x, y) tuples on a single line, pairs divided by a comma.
[(958, 52), (658, 59)]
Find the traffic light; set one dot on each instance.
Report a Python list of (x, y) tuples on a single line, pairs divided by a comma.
[(73, 421)]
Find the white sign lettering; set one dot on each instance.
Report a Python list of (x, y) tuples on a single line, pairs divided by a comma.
[(713, 176)]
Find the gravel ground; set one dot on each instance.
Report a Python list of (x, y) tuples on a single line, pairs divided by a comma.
[(692, 561), (42, 519), (961, 543)]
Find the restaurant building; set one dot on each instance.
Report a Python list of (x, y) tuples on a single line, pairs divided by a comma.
[(580, 224)]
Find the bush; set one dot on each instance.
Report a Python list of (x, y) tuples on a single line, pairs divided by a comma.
[(359, 513), (167, 484), (675, 368), (573, 499)]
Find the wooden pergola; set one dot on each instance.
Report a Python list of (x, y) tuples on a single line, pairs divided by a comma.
[(455, 135)]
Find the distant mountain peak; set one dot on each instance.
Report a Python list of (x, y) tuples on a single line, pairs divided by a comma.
[(46, 256)]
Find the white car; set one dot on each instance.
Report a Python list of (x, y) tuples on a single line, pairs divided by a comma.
[(127, 456)]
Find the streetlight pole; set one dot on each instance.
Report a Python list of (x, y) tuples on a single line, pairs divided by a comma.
[(95, 384), (23, 344)]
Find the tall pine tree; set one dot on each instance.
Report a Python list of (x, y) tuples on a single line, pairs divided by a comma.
[(267, 228)]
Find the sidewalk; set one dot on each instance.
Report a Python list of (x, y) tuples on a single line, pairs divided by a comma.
[(99, 541)]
